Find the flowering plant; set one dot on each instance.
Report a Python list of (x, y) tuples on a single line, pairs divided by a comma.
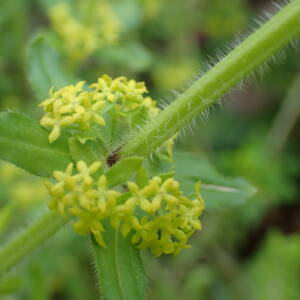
[(99, 146)]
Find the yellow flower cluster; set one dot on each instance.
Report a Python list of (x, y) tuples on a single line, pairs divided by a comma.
[(126, 94), (107, 21), (78, 195), (78, 40), (81, 39), (158, 216), (74, 107), (170, 218), (71, 106)]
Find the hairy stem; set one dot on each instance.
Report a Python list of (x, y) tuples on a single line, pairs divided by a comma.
[(23, 244), (243, 60)]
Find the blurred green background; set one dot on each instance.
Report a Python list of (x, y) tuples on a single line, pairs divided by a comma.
[(248, 251)]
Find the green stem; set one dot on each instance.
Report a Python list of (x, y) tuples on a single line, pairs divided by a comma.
[(23, 244), (243, 60)]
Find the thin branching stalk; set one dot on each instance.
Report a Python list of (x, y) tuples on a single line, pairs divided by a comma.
[(23, 244), (238, 64)]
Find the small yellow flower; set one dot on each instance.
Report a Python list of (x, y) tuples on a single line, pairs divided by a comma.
[(158, 215), (81, 196), (75, 108), (78, 40), (109, 89), (170, 217), (80, 37), (126, 94), (71, 107)]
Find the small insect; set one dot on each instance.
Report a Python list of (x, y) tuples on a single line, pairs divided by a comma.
[(113, 157)]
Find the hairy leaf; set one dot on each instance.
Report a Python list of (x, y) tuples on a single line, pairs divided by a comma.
[(24, 143), (217, 190), (119, 267)]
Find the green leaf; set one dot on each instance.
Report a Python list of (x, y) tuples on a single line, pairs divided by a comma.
[(44, 69), (142, 177), (24, 143), (216, 189), (123, 170), (119, 267), (81, 151)]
